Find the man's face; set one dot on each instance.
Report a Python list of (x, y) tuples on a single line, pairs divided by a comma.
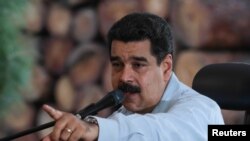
[(133, 65)]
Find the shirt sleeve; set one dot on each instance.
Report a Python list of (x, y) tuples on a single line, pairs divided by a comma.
[(184, 122)]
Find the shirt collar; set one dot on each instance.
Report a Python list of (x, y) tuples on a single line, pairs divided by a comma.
[(169, 95)]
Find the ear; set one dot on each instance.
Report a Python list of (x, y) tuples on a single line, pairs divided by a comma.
[(166, 66)]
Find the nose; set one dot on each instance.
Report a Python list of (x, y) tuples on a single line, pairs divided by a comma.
[(127, 74)]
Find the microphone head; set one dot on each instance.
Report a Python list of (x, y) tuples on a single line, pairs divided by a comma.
[(118, 96), (113, 98)]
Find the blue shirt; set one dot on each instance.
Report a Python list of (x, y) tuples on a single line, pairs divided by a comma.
[(182, 115)]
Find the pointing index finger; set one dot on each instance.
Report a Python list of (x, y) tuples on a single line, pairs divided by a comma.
[(55, 114)]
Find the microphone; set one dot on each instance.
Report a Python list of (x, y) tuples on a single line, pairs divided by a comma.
[(113, 98)]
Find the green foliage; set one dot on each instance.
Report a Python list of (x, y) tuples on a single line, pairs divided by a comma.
[(15, 64)]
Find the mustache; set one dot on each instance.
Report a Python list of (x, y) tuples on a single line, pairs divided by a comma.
[(128, 88)]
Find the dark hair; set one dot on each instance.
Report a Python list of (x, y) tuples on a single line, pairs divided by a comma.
[(142, 26)]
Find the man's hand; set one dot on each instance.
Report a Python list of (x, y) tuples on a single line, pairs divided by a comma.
[(69, 128)]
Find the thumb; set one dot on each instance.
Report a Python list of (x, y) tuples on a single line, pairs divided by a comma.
[(55, 114)]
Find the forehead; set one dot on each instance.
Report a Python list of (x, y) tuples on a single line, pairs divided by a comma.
[(125, 49)]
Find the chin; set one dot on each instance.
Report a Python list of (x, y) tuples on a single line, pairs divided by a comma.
[(131, 107)]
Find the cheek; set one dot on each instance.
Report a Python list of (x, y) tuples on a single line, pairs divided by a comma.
[(152, 91), (115, 80), (152, 82), (152, 77)]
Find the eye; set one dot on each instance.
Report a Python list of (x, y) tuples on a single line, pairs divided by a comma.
[(117, 65), (138, 65)]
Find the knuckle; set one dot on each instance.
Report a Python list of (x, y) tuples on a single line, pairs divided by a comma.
[(68, 116), (58, 126)]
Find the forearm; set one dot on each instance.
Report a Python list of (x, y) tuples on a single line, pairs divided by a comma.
[(157, 127), (136, 127)]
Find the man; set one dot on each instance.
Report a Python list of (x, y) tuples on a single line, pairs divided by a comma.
[(157, 106)]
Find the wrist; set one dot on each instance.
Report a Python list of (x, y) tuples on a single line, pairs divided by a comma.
[(91, 120), (93, 127)]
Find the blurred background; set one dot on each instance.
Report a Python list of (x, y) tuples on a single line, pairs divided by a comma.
[(54, 51)]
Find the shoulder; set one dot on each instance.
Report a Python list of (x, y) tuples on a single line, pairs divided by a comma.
[(198, 103), (189, 95)]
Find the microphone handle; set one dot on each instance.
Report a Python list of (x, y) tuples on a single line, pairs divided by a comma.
[(32, 130), (83, 113)]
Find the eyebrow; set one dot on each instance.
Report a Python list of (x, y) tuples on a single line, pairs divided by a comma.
[(141, 59), (135, 58)]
